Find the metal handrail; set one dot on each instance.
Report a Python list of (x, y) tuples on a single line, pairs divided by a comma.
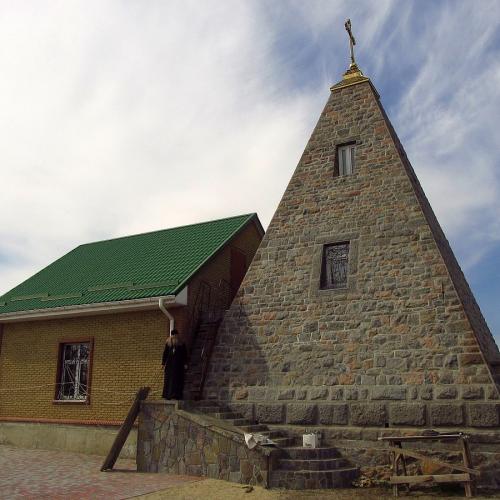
[(209, 307)]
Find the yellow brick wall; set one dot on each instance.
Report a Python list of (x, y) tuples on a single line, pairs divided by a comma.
[(127, 353)]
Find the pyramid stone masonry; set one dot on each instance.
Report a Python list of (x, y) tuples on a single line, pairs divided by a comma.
[(403, 343)]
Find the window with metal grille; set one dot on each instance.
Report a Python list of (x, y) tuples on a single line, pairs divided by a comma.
[(74, 371), (346, 159), (335, 265)]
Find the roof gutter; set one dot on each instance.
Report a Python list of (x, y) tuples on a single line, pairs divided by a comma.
[(164, 310), (91, 309)]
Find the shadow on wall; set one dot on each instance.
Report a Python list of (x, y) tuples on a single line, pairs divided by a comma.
[(239, 368)]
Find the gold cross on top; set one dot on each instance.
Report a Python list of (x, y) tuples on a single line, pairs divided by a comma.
[(352, 41)]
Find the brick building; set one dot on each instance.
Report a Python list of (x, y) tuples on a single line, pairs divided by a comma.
[(82, 335)]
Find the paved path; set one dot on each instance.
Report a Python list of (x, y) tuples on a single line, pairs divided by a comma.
[(54, 475)]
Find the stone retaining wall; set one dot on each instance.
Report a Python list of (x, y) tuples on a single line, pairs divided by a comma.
[(387, 407), (174, 441)]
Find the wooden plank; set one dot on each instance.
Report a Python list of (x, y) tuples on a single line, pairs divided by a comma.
[(414, 454), (465, 446), (403, 460), (422, 438), (437, 478), (124, 431), (469, 489), (394, 470)]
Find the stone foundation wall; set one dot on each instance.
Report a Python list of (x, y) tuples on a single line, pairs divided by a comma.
[(173, 441), (382, 406)]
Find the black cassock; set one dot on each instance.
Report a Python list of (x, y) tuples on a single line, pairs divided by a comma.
[(174, 359)]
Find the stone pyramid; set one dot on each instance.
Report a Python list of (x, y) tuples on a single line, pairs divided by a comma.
[(401, 340)]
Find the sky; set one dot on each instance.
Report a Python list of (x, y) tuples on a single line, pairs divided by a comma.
[(121, 117)]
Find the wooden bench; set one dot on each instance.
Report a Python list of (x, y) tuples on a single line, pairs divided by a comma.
[(398, 454)]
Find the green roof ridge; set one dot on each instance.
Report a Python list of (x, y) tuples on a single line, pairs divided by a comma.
[(140, 266), (166, 229)]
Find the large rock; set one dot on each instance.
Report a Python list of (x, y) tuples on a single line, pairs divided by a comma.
[(407, 414), (484, 415), (333, 414), (388, 392), (269, 413), (368, 414), (446, 414), (300, 413)]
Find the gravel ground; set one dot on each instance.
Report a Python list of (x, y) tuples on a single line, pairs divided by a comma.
[(222, 490)]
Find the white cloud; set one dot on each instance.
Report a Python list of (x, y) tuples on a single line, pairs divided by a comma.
[(449, 117), (129, 117)]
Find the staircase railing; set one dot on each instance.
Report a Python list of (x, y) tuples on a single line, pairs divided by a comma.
[(201, 303), (206, 354), (210, 305), (221, 300)]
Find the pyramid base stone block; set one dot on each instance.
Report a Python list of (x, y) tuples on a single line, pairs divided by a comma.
[(484, 415), (373, 414), (407, 414), (447, 414)]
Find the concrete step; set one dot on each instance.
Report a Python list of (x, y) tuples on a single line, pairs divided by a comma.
[(300, 453), (253, 427), (307, 479), (207, 402), (238, 422), (282, 442), (205, 335), (313, 465), (274, 434), (228, 415), (207, 409)]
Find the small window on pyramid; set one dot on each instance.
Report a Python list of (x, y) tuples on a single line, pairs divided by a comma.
[(345, 158), (335, 266)]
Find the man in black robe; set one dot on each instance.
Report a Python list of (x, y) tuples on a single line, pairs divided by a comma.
[(174, 363)]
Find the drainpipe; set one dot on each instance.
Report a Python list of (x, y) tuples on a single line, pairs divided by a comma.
[(163, 309)]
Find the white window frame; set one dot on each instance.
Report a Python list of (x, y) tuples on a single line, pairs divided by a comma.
[(346, 156)]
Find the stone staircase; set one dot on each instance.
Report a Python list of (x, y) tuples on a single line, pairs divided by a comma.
[(312, 468), (297, 467)]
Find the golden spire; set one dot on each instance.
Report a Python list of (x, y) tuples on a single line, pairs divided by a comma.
[(353, 67)]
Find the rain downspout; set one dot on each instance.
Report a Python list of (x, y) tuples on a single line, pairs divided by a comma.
[(163, 309)]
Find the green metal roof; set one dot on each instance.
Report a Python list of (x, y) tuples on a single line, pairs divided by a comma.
[(133, 267)]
